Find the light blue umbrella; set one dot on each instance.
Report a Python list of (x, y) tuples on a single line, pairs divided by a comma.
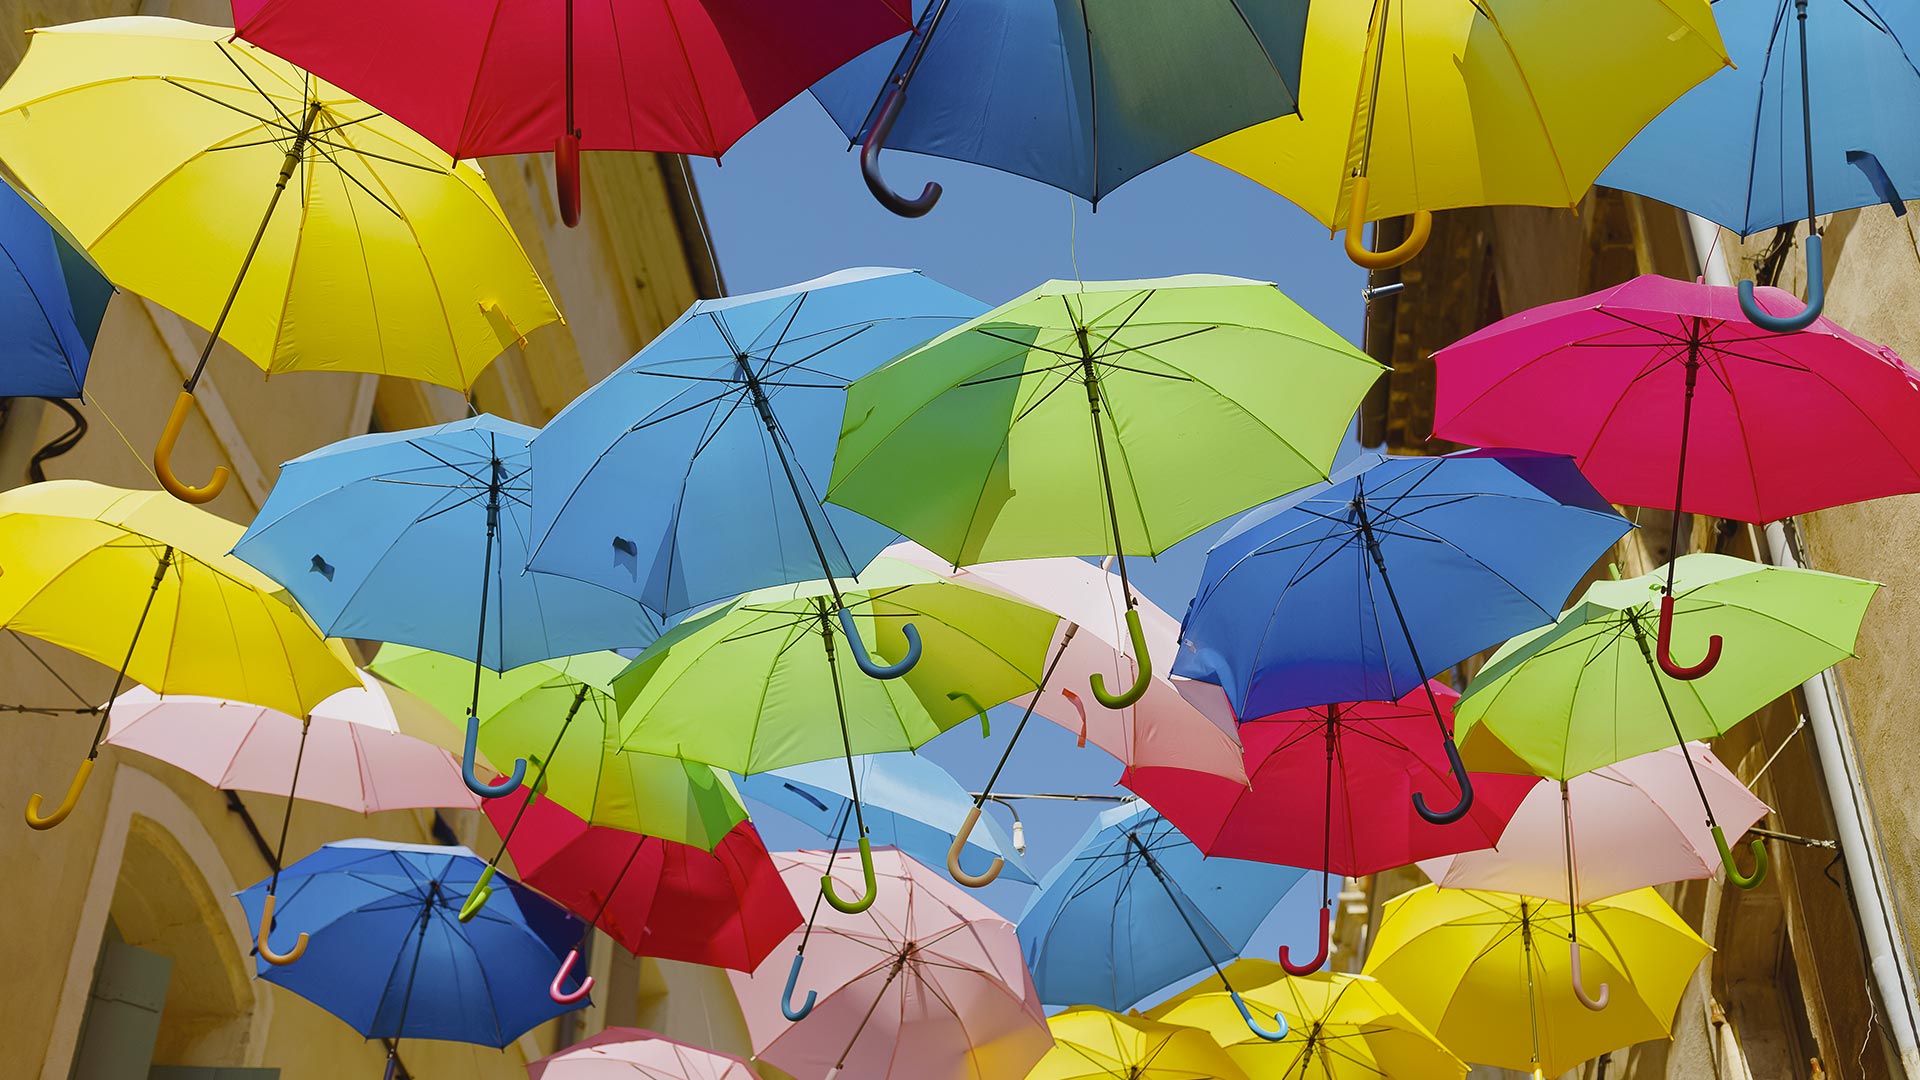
[(1136, 908), (52, 298), (910, 803), (1816, 115)]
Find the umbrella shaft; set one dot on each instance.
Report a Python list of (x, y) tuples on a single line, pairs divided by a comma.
[(846, 737), (120, 677), (1380, 564), (981, 798), (1173, 897), (1653, 669), (1806, 107), (765, 408), (286, 819), (1680, 468), (1092, 378), (406, 997), (486, 582), (539, 775)]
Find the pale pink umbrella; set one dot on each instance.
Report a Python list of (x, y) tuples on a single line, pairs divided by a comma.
[(927, 984), (632, 1054)]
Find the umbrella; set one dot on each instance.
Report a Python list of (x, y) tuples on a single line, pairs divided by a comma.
[(633, 1054), (910, 803), (1094, 1044), (398, 963), (1741, 147), (1482, 544), (392, 259), (728, 416), (1585, 692), (680, 77), (928, 985), (87, 567), (1657, 382), (51, 303), (1469, 964), (1105, 93), (968, 446), (1350, 767), (1408, 107), (1340, 1027), (755, 684), (1106, 926), (374, 535)]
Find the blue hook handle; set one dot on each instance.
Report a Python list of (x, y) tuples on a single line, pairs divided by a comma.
[(1816, 297), (1254, 1025), (786, 998), (867, 664), (474, 783)]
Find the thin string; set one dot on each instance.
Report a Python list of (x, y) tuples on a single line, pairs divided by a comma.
[(94, 403), (57, 677)]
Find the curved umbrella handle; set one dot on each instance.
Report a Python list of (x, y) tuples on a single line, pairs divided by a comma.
[(1816, 297), (478, 786), (1141, 678), (1381, 260), (1466, 791), (853, 907), (1759, 849), (870, 161), (477, 897), (786, 996), (1326, 927), (72, 799), (867, 664), (163, 458), (393, 1064), (986, 725), (561, 997), (1254, 1025), (1597, 1002), (277, 959), (971, 881), (566, 176), (1663, 647)]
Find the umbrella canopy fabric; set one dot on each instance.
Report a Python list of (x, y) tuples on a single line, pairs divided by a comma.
[(1340, 1027), (373, 748), (1105, 92), (646, 479), (390, 257), (1135, 907), (724, 908), (52, 299), (618, 1053), (1470, 964), (390, 956), (911, 804), (1732, 149), (1779, 423), (1474, 546), (1094, 1044), (1623, 827), (927, 984)]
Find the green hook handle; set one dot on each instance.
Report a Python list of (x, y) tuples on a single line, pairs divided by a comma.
[(477, 898), (986, 726), (1141, 679), (1759, 849), (853, 907)]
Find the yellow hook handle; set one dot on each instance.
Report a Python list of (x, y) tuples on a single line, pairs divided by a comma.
[(34, 820), (853, 907), (163, 458), (971, 881), (1392, 257), (266, 927)]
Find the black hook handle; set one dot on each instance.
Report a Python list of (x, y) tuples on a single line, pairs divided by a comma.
[(870, 161), (1466, 792)]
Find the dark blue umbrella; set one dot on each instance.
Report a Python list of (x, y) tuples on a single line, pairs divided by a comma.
[(1362, 588), (389, 955), (52, 299)]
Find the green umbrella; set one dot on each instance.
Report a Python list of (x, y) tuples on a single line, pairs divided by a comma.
[(1104, 418), (560, 716), (756, 684), (1586, 692)]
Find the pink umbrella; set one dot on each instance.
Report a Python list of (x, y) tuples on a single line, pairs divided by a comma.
[(927, 984), (632, 1054)]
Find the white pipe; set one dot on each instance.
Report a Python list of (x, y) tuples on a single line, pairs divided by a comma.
[(1888, 961)]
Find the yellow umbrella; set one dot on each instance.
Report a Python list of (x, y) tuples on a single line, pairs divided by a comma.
[(137, 580), (1339, 1027), (1093, 1044), (1491, 973), (166, 148), (1408, 106)]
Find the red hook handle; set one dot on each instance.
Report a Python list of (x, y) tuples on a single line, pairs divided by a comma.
[(1663, 647), (1319, 958)]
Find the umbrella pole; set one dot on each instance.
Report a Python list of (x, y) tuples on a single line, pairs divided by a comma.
[(1533, 1006), (279, 959), (474, 783), (566, 149), (981, 881), (847, 907), (1143, 676), (1422, 227), (477, 898), (1816, 271), (177, 419), (406, 999), (72, 799), (899, 965), (578, 953), (787, 1008), (1599, 1001), (1664, 639), (1326, 862)]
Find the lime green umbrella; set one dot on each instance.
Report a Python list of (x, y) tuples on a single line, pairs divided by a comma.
[(560, 716), (1586, 692), (758, 683), (1111, 417)]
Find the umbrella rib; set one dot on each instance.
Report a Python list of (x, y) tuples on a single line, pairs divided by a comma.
[(1029, 346), (649, 421), (1021, 374), (289, 123)]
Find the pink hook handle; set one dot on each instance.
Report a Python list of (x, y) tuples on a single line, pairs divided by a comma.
[(1319, 958), (1663, 647), (566, 966), (1598, 1001)]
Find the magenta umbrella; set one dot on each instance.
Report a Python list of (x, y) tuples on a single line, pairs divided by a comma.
[(632, 1054)]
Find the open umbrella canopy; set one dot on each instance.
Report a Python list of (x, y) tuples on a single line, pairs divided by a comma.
[(52, 299), (1094, 1044), (618, 1053)]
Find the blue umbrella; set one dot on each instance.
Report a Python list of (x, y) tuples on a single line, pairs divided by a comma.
[(1081, 99), (1136, 907), (391, 957), (1816, 115), (52, 299), (910, 803), (1297, 605), (420, 537)]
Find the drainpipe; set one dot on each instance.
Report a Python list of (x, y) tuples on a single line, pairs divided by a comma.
[(1888, 960)]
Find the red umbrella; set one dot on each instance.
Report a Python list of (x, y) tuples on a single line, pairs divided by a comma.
[(480, 77), (1348, 769)]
